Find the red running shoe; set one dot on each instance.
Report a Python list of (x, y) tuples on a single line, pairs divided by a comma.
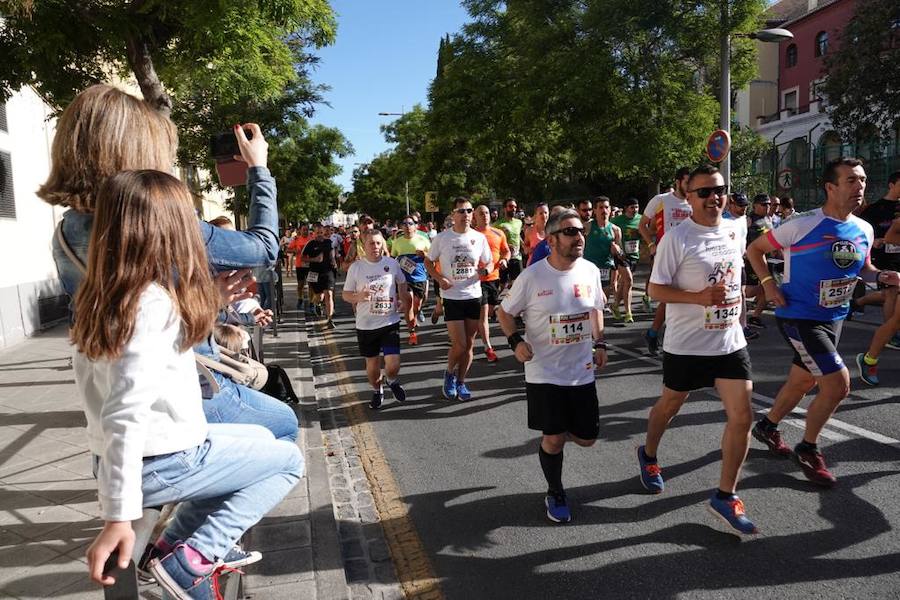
[(491, 355), (772, 439), (413, 338), (813, 465)]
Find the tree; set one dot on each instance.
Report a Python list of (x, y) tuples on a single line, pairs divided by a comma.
[(863, 73), (209, 54), (747, 148)]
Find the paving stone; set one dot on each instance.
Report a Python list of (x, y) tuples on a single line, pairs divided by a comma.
[(342, 495), (346, 511), (357, 570), (281, 567), (367, 514), (291, 507), (276, 535), (352, 549), (378, 550), (384, 572)]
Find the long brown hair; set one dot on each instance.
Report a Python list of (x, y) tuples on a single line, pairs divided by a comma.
[(103, 131), (144, 232)]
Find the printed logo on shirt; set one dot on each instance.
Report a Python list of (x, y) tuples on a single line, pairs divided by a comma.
[(543, 293), (388, 269), (844, 253), (583, 290), (472, 242), (679, 215)]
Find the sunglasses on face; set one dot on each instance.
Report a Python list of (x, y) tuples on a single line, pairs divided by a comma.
[(408, 223), (571, 231), (464, 211), (706, 192)]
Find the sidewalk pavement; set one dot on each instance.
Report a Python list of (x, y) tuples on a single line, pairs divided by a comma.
[(48, 500)]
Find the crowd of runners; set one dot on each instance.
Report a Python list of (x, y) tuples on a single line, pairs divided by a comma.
[(551, 278)]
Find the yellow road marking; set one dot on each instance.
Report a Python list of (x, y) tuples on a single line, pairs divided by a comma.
[(414, 569)]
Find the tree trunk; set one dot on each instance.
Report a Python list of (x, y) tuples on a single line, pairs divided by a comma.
[(142, 65)]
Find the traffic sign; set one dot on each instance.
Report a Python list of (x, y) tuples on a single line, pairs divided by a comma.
[(431, 202), (786, 179), (718, 145)]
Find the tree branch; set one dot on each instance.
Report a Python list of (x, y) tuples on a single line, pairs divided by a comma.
[(141, 64)]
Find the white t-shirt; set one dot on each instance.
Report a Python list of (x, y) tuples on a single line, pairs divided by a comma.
[(692, 257), (666, 211), (557, 306), (382, 278), (460, 256)]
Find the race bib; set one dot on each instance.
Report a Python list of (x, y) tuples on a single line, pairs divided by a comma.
[(722, 316), (407, 264), (604, 275), (570, 329), (462, 270), (381, 306), (631, 246), (312, 277), (892, 248), (836, 292)]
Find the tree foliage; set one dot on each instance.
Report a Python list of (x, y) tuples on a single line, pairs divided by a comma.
[(863, 84)]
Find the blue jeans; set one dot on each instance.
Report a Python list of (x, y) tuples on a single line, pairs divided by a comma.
[(240, 404), (224, 486)]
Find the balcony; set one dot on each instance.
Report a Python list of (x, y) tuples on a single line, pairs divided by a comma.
[(817, 106)]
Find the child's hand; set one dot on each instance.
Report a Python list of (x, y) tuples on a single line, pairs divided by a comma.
[(115, 535)]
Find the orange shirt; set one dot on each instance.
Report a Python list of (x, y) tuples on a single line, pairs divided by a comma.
[(497, 242), (296, 246)]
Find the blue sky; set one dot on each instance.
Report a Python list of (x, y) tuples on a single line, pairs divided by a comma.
[(383, 60)]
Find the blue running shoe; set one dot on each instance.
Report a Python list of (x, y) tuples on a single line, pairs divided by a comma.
[(449, 388), (398, 391), (652, 343), (867, 372), (651, 474), (377, 399), (557, 508), (462, 392), (238, 557), (730, 512), (175, 575), (894, 344)]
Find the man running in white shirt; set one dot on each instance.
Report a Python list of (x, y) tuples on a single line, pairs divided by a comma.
[(562, 300), (377, 288), (697, 272), (464, 255)]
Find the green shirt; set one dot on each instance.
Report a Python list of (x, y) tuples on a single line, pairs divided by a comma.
[(597, 245), (631, 237), (513, 230)]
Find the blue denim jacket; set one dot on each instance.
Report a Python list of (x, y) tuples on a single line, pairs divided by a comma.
[(257, 246)]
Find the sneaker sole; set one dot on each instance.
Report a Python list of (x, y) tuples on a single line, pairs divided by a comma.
[(553, 519), (765, 442), (448, 396), (641, 479), (166, 582), (253, 557), (819, 482), (860, 369), (725, 527)]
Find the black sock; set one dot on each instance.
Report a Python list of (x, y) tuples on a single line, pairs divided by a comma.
[(647, 457), (767, 425), (805, 446), (551, 465), (723, 495)]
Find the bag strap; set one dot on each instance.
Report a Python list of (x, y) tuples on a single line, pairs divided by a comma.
[(220, 367), (61, 240), (204, 372)]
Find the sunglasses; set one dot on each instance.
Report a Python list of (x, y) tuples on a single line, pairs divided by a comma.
[(706, 192), (464, 211), (408, 223), (571, 231)]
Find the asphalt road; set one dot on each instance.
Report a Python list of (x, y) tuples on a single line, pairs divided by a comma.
[(469, 473)]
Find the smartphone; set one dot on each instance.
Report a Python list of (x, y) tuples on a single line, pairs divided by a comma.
[(223, 147), (126, 585)]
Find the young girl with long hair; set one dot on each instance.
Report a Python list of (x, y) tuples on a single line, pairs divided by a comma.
[(146, 299)]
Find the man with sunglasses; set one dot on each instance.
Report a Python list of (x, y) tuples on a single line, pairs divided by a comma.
[(584, 213), (463, 255), (409, 249), (663, 213), (697, 273), (562, 301), (825, 250), (512, 227)]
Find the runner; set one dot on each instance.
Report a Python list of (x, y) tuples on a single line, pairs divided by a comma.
[(584, 213), (824, 252), (628, 222), (409, 249), (760, 224), (562, 301), (463, 254), (737, 212), (603, 243), (319, 254), (697, 272), (301, 268), (375, 285), (535, 234), (490, 283), (512, 227), (661, 214)]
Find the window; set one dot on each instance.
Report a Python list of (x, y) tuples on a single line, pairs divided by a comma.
[(791, 58), (822, 43), (790, 102), (3, 125), (7, 200)]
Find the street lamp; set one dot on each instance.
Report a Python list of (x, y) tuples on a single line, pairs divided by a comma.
[(406, 182), (765, 35)]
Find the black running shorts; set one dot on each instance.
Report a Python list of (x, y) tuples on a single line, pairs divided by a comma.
[(324, 281), (556, 409), (490, 293), (688, 372), (384, 340), (459, 310), (513, 270), (417, 288), (814, 344)]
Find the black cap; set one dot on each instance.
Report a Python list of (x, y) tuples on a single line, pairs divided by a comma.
[(740, 198), (760, 198)]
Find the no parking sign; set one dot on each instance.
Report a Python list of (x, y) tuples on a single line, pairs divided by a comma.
[(718, 145)]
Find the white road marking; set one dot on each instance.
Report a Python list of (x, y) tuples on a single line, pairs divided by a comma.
[(800, 412)]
